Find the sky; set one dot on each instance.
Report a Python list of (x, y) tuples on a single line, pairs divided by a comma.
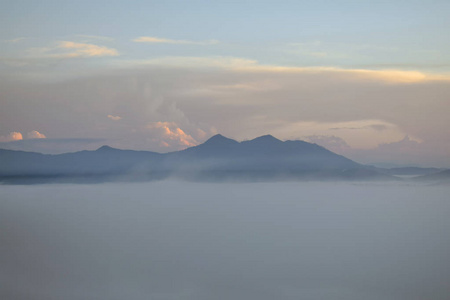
[(366, 79)]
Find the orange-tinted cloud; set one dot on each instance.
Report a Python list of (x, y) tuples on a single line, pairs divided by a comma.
[(243, 65), (114, 118), (171, 134), (12, 136), (87, 50), (164, 144), (201, 134)]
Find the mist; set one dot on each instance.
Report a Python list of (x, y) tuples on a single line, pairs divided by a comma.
[(179, 240)]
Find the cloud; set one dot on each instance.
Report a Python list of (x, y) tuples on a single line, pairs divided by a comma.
[(87, 50), (237, 102), (12, 136), (68, 49), (245, 65), (114, 118), (35, 135), (17, 136), (358, 134), (201, 134), (164, 144), (377, 125), (333, 143), (171, 134), (406, 151), (149, 39), (401, 145), (95, 37), (389, 76), (14, 41)]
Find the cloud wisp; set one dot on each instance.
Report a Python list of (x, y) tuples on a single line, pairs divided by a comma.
[(114, 118), (86, 50), (237, 64), (157, 40), (15, 41), (70, 49)]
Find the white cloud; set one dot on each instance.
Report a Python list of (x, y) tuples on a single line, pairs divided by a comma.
[(12, 136), (35, 135), (114, 118), (150, 39)]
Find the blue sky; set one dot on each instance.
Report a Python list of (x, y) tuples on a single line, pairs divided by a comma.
[(372, 33), (163, 75)]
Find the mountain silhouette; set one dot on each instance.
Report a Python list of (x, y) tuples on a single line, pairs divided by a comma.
[(442, 176), (219, 158)]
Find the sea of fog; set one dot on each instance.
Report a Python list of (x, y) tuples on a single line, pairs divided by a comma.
[(204, 241)]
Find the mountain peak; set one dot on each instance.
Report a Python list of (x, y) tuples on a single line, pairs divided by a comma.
[(266, 139), (105, 148), (218, 138)]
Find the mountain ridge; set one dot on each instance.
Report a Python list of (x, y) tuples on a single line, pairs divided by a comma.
[(218, 158)]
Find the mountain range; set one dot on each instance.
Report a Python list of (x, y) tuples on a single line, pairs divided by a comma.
[(217, 159)]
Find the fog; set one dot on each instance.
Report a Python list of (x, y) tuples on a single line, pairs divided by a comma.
[(180, 240)]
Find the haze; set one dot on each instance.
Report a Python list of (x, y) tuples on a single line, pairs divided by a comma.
[(178, 240)]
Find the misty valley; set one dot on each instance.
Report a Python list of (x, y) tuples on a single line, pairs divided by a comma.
[(174, 239), (258, 219)]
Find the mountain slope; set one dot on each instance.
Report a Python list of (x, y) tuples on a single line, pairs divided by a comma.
[(219, 157), (262, 153), (102, 161)]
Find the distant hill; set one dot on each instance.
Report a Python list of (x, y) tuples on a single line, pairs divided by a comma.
[(412, 171), (442, 177), (219, 158), (406, 172)]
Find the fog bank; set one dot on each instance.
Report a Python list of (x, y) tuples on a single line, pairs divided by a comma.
[(265, 241)]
